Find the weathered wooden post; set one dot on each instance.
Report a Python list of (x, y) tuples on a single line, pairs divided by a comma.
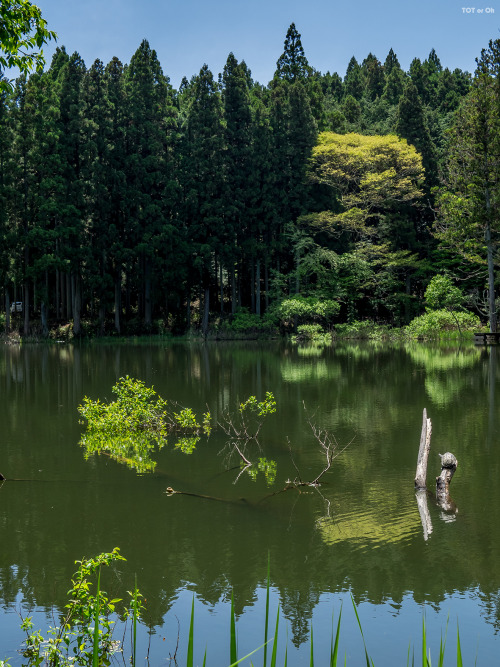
[(423, 453), (421, 475), (449, 464)]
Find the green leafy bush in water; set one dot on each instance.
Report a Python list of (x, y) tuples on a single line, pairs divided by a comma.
[(137, 423), (262, 408), (442, 323)]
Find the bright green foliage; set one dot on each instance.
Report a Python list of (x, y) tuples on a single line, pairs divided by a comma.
[(436, 323), (129, 428), (132, 427), (370, 175), (207, 423), (23, 32), (262, 408), (268, 467), (85, 635), (187, 444), (307, 309), (442, 293), (310, 331), (188, 423), (186, 419)]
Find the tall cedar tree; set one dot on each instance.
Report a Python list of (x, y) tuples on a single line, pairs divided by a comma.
[(20, 195), (292, 65), (202, 175), (5, 143), (353, 80), (116, 183), (42, 107), (394, 79), (411, 124), (263, 217), (237, 234), (70, 198), (95, 171), (149, 103), (373, 74)]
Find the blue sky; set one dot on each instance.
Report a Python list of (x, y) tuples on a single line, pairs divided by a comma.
[(188, 33)]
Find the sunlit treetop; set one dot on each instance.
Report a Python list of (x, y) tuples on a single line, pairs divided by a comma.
[(23, 32)]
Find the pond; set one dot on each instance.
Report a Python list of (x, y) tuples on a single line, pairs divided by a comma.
[(359, 533)]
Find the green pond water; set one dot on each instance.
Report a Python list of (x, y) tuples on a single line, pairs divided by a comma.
[(359, 533)]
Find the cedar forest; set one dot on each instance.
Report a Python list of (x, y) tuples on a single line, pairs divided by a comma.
[(129, 207)]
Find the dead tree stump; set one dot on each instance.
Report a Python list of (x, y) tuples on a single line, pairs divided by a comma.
[(449, 464), (423, 452)]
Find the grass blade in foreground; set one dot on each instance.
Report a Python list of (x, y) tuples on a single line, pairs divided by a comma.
[(233, 652), (275, 643), (190, 652), (442, 644), (424, 644), (459, 650), (335, 648), (267, 607), (368, 661), (245, 656)]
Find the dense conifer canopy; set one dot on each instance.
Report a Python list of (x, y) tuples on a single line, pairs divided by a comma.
[(127, 206)]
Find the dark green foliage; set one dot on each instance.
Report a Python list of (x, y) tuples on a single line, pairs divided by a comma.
[(353, 80), (126, 206), (390, 63), (373, 75), (470, 204), (394, 85), (411, 125), (202, 182), (292, 65), (150, 196), (351, 109)]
